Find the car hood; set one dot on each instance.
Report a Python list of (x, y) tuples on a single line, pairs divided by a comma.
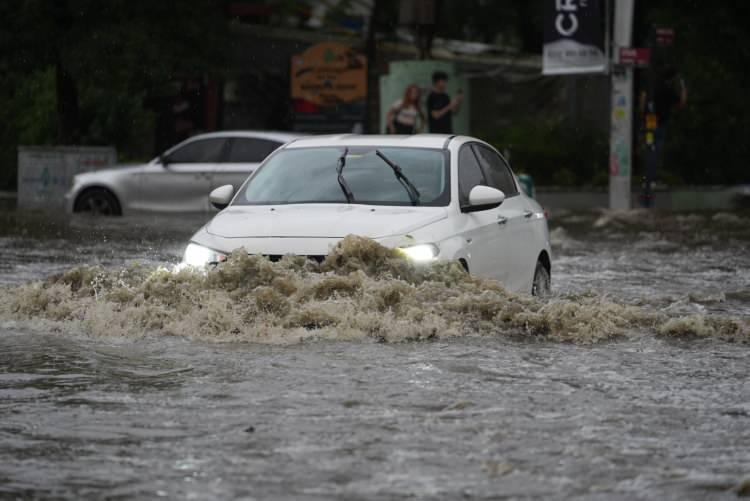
[(321, 220)]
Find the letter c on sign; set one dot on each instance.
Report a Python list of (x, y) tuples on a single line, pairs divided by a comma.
[(561, 28)]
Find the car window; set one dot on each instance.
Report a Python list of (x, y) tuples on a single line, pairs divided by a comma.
[(200, 151), (497, 170), (469, 174), (309, 175), (250, 150)]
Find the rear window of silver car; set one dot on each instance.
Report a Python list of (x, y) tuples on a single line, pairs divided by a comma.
[(309, 175)]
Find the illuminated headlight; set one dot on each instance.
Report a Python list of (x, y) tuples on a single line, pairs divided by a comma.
[(421, 253), (199, 256)]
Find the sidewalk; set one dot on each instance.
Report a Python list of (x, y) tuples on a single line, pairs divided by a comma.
[(687, 198), (8, 200)]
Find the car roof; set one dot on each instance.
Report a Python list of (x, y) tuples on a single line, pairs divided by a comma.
[(272, 135), (411, 141)]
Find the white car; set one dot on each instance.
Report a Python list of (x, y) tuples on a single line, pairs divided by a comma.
[(177, 180), (433, 196)]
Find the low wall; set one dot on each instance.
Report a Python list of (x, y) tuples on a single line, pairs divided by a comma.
[(676, 199), (8, 200), (45, 173)]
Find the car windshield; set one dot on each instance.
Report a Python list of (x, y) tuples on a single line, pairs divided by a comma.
[(309, 175)]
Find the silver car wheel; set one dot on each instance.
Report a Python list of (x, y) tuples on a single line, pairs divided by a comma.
[(97, 201)]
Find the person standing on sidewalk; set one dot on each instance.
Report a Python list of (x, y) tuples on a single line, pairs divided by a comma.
[(669, 93), (440, 107), (405, 115)]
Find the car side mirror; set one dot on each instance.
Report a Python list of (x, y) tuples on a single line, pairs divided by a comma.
[(164, 160), (483, 198), (221, 196)]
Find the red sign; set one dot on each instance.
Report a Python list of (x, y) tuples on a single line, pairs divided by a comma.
[(665, 36), (635, 56)]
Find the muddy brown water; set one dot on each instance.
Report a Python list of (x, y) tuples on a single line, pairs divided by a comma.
[(285, 382)]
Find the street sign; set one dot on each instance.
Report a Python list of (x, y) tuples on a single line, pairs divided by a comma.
[(665, 36), (631, 56), (329, 88), (45, 173), (573, 37)]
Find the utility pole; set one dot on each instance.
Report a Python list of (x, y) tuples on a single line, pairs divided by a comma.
[(621, 129)]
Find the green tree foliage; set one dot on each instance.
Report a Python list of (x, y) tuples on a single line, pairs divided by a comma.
[(514, 23), (554, 153), (707, 140), (82, 71), (79, 71)]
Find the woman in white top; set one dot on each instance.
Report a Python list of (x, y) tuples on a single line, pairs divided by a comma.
[(405, 116)]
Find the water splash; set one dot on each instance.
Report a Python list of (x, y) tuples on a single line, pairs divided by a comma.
[(361, 291)]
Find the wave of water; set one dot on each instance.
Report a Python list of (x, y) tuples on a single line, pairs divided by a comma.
[(361, 291)]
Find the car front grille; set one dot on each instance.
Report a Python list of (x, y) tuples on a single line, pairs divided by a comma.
[(277, 257)]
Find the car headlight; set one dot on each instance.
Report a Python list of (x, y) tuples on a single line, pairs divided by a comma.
[(199, 256), (421, 253)]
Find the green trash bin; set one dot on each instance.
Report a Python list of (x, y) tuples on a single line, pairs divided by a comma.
[(527, 183)]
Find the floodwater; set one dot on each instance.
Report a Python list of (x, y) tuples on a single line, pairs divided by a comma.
[(120, 379)]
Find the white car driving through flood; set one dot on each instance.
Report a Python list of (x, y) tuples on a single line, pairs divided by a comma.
[(435, 197), (178, 179)]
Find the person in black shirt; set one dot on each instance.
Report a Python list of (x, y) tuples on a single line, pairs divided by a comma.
[(668, 93), (440, 107)]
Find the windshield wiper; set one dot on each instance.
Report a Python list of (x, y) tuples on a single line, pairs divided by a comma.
[(342, 182), (408, 186)]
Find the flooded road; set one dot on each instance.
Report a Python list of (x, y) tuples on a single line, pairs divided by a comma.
[(630, 383)]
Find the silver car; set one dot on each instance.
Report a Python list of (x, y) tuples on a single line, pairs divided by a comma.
[(177, 180)]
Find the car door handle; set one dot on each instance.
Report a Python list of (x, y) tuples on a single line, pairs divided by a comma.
[(501, 219), (528, 213)]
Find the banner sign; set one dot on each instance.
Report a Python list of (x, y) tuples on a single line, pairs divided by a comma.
[(630, 56), (329, 88), (665, 36), (45, 173), (573, 37)]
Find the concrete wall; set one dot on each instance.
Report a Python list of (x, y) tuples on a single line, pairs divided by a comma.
[(678, 199), (45, 173)]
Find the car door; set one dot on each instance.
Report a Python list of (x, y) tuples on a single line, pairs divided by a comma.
[(182, 183), (481, 229), (244, 154), (517, 246)]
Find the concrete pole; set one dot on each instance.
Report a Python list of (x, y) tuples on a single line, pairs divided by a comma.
[(621, 129)]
